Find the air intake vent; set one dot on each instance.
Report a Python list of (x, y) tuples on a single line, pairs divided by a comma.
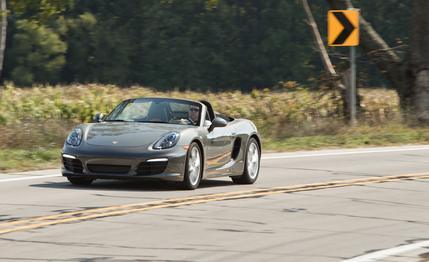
[(151, 168), (236, 148), (73, 165)]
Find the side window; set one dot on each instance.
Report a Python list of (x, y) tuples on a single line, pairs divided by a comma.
[(207, 116), (209, 110), (226, 118)]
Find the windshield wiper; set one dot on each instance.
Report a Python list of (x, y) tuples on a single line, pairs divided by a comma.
[(147, 121), (117, 120)]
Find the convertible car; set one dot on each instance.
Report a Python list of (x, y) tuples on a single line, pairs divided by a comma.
[(162, 138)]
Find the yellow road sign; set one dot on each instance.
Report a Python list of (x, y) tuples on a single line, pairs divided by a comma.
[(343, 28)]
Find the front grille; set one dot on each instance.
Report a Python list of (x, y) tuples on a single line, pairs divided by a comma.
[(108, 169), (73, 165), (151, 168)]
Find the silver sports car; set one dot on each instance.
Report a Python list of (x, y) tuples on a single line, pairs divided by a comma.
[(162, 138)]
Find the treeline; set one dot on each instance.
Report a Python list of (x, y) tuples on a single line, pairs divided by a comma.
[(177, 43)]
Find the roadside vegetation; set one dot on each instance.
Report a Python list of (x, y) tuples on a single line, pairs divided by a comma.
[(222, 46), (15, 160), (35, 121)]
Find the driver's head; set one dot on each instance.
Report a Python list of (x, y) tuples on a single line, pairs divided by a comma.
[(193, 113)]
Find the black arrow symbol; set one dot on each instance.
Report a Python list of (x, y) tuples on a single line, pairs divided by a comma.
[(347, 31)]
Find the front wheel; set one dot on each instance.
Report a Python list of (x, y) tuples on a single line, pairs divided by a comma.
[(251, 166), (80, 181), (193, 169)]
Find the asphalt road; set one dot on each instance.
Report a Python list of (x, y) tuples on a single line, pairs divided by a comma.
[(363, 221)]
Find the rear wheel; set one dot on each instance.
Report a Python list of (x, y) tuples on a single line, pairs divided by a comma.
[(251, 166), (193, 170), (80, 181)]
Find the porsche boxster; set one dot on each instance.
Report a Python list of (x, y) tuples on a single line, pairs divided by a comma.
[(162, 138)]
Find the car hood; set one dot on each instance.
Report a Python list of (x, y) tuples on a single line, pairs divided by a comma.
[(128, 134)]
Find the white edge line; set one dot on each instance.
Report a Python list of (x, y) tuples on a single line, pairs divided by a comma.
[(27, 178), (345, 153), (388, 252)]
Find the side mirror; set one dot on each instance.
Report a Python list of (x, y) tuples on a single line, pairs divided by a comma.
[(98, 118), (217, 122)]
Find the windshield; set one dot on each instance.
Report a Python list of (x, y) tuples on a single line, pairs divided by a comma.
[(157, 110)]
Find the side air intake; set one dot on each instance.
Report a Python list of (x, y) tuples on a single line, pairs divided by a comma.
[(236, 148)]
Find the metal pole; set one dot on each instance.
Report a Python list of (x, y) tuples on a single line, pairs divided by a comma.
[(352, 85)]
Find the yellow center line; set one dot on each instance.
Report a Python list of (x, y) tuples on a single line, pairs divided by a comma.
[(87, 214)]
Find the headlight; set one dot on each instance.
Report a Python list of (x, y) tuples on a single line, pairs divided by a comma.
[(167, 141), (75, 137)]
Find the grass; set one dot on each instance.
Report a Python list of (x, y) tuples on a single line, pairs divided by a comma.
[(362, 136), (12, 160)]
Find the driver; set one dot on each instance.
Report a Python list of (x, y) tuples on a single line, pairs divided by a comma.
[(193, 114)]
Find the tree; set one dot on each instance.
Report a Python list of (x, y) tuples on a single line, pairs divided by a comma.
[(409, 74), (417, 74), (39, 10), (214, 44), (37, 53), (3, 31), (80, 57)]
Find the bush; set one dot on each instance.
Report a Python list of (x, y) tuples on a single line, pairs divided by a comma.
[(44, 114)]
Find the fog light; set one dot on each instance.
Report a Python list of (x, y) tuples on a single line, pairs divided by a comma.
[(69, 156), (157, 160)]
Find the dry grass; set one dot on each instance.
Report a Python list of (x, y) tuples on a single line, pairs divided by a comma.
[(41, 116)]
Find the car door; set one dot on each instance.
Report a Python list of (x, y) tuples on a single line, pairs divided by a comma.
[(219, 150)]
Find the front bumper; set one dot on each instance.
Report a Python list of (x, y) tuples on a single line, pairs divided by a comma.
[(165, 165)]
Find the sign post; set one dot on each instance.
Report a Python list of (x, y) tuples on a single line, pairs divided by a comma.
[(343, 30), (352, 92)]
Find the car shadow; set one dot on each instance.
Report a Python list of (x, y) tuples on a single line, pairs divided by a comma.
[(132, 185)]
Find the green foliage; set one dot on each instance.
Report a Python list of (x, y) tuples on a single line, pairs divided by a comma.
[(39, 10), (38, 54), (206, 44), (29, 159), (81, 65), (349, 137)]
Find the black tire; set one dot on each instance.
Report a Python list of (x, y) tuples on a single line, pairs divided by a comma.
[(246, 177), (191, 182), (80, 181)]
